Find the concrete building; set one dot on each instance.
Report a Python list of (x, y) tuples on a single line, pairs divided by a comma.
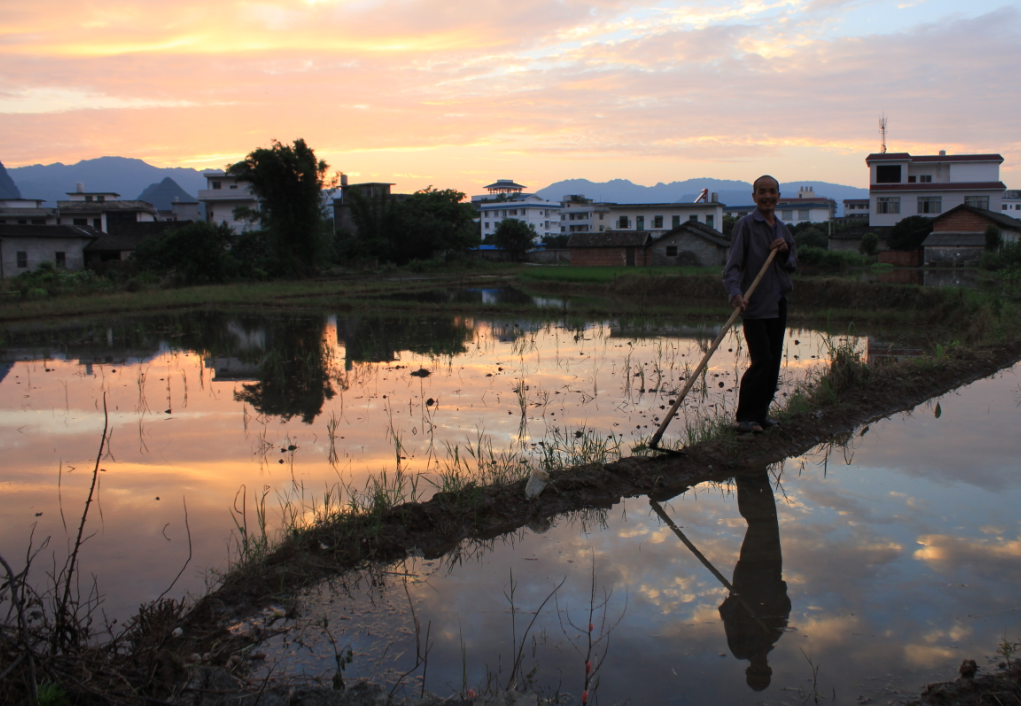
[(1011, 204), (100, 209), (902, 185), (691, 243), (856, 208), (806, 207), (610, 249), (24, 247), (222, 195), (343, 205), (660, 218), (958, 236), (581, 215), (25, 212), (541, 214), (501, 188)]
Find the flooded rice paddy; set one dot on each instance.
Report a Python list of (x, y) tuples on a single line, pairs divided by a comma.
[(882, 564)]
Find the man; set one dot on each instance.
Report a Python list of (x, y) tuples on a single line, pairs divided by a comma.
[(765, 312)]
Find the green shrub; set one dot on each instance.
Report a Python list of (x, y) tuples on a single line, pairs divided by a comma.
[(909, 233), (194, 254), (869, 245), (829, 260), (47, 280)]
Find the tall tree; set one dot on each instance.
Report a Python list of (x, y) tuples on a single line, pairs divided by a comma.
[(289, 182), (514, 236)]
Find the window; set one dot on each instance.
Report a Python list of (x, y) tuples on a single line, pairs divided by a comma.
[(601, 216), (693, 218), (101, 199), (657, 221), (671, 251), (640, 223), (925, 178), (216, 185), (675, 221), (88, 198), (61, 259), (97, 223), (803, 215), (930, 204), (787, 215), (1005, 207), (22, 259), (709, 221), (888, 174), (233, 186), (911, 179), (977, 202), (623, 222), (888, 204), (81, 221), (22, 221)]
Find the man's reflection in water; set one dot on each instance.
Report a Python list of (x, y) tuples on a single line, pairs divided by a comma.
[(756, 612)]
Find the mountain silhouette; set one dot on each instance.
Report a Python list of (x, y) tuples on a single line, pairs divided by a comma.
[(122, 175), (162, 195), (8, 189)]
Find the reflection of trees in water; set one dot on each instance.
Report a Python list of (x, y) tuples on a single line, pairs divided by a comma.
[(755, 614), (378, 338), (294, 376)]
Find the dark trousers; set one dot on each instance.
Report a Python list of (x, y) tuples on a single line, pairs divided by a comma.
[(758, 384)]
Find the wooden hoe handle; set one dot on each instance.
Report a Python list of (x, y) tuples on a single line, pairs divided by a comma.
[(654, 442)]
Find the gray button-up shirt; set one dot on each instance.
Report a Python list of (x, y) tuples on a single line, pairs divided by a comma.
[(749, 248)]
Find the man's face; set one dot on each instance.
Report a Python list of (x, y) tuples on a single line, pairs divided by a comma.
[(765, 193)]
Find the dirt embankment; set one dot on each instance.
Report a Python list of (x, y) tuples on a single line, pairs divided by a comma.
[(436, 527)]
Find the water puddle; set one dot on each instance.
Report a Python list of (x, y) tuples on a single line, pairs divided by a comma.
[(233, 414), (853, 574)]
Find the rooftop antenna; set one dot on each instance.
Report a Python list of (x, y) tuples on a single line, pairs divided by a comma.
[(882, 132)]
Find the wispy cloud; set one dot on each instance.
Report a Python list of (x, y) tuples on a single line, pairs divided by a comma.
[(602, 88)]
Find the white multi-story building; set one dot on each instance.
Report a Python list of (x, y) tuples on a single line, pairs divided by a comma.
[(581, 215), (1011, 204), (856, 208), (661, 218), (222, 195), (901, 185), (541, 214)]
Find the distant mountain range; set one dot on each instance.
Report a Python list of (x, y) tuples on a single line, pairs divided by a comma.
[(122, 175), (731, 193), (8, 189), (162, 195)]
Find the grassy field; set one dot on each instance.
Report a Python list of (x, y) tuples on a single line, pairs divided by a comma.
[(603, 275)]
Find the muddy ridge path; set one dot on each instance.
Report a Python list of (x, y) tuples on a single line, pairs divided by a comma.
[(433, 528)]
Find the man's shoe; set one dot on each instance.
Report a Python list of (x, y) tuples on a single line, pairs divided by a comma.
[(768, 424)]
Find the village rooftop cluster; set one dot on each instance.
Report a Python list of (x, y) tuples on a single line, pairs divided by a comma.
[(963, 195)]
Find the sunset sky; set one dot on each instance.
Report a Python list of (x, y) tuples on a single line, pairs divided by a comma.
[(459, 93)]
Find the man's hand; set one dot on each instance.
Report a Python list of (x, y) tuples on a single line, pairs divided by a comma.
[(779, 245), (739, 302)]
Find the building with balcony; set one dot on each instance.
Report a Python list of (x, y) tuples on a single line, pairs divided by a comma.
[(222, 195), (1011, 204), (343, 205), (856, 208), (660, 218), (102, 209), (902, 185), (25, 212), (581, 215)]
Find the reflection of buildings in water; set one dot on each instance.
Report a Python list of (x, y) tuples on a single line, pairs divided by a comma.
[(755, 614), (951, 277), (380, 339), (254, 339), (228, 369), (880, 350)]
